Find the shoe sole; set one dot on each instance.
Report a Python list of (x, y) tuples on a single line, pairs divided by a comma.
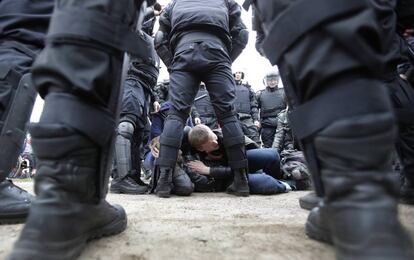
[(71, 249), (239, 194), (163, 194), (317, 233), (118, 191), (307, 204)]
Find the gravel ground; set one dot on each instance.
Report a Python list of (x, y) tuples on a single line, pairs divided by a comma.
[(206, 226)]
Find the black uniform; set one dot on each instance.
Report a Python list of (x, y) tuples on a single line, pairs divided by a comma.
[(204, 108), (200, 35), (402, 98), (23, 26), (247, 110), (342, 115), (161, 91), (270, 102), (141, 79), (78, 73)]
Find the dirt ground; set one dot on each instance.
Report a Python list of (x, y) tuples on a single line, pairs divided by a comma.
[(206, 226)]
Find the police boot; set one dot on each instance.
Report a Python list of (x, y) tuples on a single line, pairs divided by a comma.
[(68, 210), (14, 203), (165, 181), (127, 185), (240, 185), (309, 201), (359, 213), (182, 183)]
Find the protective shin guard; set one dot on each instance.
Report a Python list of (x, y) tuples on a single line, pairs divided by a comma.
[(68, 210), (359, 214), (233, 139), (170, 142), (123, 161)]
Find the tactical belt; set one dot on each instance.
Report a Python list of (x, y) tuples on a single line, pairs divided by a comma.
[(192, 37), (311, 13), (80, 24)]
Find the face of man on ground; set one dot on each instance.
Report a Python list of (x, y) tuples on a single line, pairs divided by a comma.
[(209, 146), (272, 82)]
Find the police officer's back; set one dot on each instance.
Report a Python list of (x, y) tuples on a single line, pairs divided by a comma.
[(198, 40)]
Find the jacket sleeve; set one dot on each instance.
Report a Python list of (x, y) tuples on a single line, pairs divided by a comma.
[(238, 30), (161, 41), (253, 105), (260, 35), (280, 134), (221, 172)]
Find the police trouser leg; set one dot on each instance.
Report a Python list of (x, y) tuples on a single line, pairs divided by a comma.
[(170, 142), (402, 97), (17, 96), (234, 143), (123, 170), (353, 156), (14, 203), (268, 135), (73, 140)]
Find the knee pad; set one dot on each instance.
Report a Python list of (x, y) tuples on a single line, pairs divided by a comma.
[(126, 129)]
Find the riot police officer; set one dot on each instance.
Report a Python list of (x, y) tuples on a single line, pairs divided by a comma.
[(246, 107), (205, 37), (141, 79), (161, 91), (270, 101), (23, 26), (342, 115), (79, 75), (204, 108)]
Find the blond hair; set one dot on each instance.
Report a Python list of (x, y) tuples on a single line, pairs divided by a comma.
[(199, 135)]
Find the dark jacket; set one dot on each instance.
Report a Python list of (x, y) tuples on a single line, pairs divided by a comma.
[(25, 21), (186, 18), (221, 175), (246, 103)]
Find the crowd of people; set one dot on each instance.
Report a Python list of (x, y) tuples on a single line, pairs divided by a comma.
[(346, 106)]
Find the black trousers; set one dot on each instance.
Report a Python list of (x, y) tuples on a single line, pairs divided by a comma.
[(195, 62)]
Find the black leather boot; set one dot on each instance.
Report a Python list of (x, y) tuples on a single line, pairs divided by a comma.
[(68, 210), (165, 182), (127, 185), (14, 203), (359, 213), (182, 183), (240, 185)]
